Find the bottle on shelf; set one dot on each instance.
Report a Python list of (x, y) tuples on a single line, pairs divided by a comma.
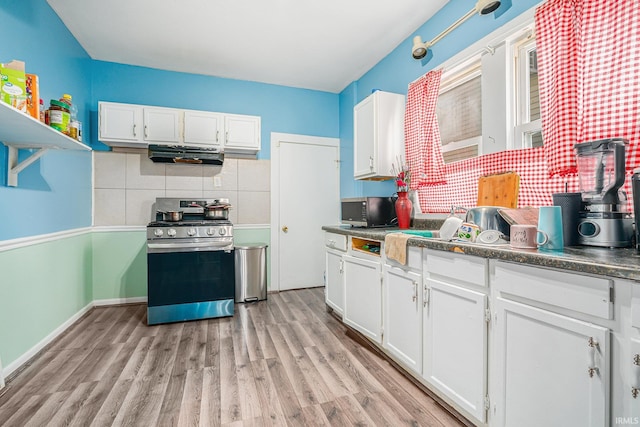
[(74, 125)]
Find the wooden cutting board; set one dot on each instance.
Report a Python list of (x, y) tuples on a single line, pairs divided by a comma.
[(499, 190)]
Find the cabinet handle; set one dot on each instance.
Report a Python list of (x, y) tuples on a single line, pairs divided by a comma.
[(415, 291), (226, 137), (217, 136), (134, 130), (593, 347), (146, 134), (425, 295), (370, 162), (341, 269)]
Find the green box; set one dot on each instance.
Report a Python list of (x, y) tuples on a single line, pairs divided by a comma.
[(13, 85)]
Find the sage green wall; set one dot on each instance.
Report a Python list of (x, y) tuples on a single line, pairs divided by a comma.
[(119, 264), (42, 286)]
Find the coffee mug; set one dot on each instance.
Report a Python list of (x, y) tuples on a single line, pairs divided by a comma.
[(468, 232), (525, 236), (550, 221)]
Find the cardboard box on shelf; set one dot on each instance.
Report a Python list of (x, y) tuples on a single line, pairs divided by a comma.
[(33, 95), (13, 89)]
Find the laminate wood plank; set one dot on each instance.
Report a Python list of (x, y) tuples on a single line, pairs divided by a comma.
[(275, 311), (230, 409), (267, 348), (71, 405), (291, 339), (294, 311), (111, 405), (354, 413), (211, 397), (135, 315), (92, 367), (192, 398), (314, 416), (248, 393), (300, 331), (254, 347), (284, 308), (286, 394), (321, 390), (212, 349), (335, 415), (56, 372), (136, 359), (50, 406), (334, 382), (377, 409), (272, 412), (23, 414), (304, 393), (172, 401), (143, 402)]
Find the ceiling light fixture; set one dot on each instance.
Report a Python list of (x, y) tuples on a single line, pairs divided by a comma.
[(483, 7)]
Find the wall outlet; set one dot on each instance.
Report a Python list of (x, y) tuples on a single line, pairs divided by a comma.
[(217, 181)]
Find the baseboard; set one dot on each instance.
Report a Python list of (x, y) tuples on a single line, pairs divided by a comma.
[(119, 301), (25, 357)]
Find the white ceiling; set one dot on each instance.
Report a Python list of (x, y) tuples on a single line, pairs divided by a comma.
[(321, 45)]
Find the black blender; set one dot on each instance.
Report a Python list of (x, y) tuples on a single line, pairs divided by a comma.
[(601, 171)]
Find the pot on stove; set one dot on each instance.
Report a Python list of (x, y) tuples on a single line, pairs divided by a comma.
[(217, 211), (171, 216)]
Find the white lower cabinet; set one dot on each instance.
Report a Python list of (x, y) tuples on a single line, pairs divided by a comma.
[(552, 370), (455, 345), (402, 316), (334, 281), (363, 296)]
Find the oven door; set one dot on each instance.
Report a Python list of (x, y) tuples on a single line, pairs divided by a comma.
[(189, 285)]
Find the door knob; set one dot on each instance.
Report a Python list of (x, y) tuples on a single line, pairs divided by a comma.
[(285, 228)]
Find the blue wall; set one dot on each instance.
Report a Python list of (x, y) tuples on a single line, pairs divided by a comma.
[(54, 193)]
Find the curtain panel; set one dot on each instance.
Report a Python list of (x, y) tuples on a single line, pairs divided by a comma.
[(589, 74), (423, 148)]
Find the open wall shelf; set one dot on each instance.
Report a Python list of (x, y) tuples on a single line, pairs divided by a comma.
[(19, 130)]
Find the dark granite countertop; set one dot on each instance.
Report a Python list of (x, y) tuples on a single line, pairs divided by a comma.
[(616, 263)]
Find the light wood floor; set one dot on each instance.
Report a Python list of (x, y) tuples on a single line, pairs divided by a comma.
[(284, 361)]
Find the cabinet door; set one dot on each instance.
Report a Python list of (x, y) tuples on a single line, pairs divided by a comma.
[(364, 138), (121, 123), (363, 296), (402, 316), (455, 345), (162, 125), (242, 133), (203, 128), (551, 369), (334, 290)]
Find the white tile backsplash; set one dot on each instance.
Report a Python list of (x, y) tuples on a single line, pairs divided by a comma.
[(127, 184), (110, 206), (110, 169), (143, 174)]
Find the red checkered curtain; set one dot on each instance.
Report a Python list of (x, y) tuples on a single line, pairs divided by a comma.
[(588, 65), (423, 149)]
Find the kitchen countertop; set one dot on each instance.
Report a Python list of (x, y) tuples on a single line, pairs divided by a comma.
[(617, 263)]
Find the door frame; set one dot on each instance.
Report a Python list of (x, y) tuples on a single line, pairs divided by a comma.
[(276, 138)]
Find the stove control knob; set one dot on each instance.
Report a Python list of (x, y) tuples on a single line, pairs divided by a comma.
[(191, 232), (222, 231), (211, 231), (158, 232), (171, 232)]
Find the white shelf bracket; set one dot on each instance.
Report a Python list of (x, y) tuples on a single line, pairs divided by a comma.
[(15, 167)]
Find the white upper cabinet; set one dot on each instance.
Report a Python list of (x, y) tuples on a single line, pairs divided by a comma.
[(162, 125), (121, 124), (203, 128), (378, 139), (129, 125), (242, 133)]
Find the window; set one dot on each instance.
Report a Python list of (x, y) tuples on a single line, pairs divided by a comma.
[(459, 113), (528, 124)]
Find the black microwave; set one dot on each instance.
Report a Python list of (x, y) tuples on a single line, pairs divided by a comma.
[(369, 211)]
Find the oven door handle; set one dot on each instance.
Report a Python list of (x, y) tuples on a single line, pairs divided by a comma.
[(226, 245)]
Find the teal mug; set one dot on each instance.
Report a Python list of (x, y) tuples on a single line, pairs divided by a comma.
[(550, 223)]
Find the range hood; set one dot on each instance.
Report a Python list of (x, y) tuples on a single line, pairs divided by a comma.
[(185, 154)]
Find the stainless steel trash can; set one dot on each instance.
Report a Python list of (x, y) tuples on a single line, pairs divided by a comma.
[(251, 272)]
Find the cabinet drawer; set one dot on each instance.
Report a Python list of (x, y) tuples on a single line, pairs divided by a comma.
[(335, 241), (414, 259), (584, 294), (456, 267)]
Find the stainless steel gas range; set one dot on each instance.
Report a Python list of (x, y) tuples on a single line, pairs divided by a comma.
[(190, 262)]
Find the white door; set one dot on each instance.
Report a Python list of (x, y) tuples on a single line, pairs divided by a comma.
[(162, 125), (363, 296), (552, 370), (403, 316), (120, 122), (455, 345), (305, 192)]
